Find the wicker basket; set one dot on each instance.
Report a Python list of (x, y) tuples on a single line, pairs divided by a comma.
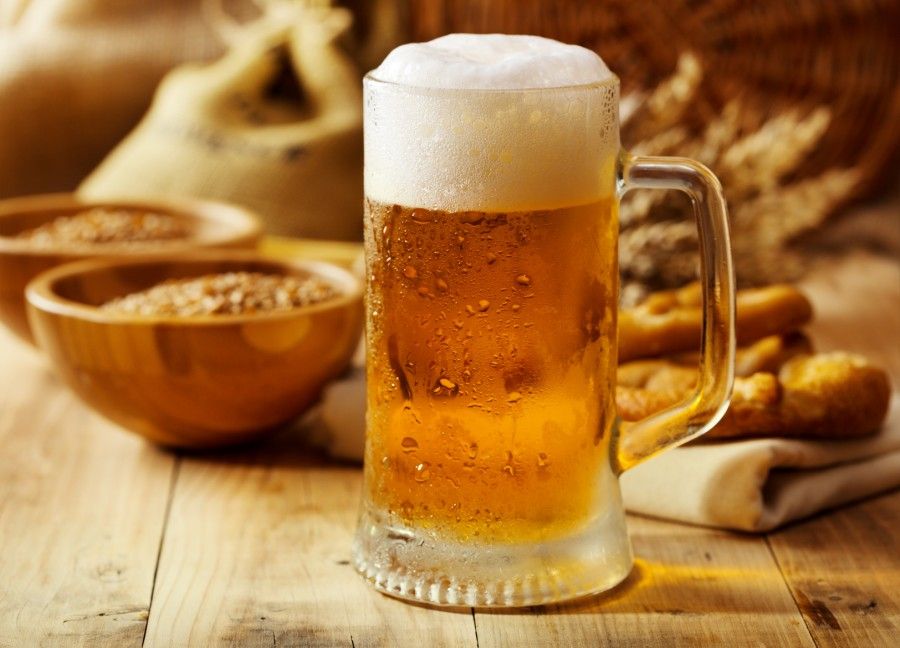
[(844, 54)]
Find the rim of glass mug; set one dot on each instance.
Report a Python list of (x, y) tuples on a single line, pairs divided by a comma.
[(370, 77)]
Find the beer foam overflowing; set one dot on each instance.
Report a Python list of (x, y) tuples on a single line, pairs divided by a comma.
[(492, 61), (490, 123)]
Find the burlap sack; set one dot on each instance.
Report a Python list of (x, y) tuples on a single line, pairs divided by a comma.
[(275, 125), (77, 75)]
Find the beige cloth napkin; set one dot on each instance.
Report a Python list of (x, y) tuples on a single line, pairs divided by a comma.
[(761, 484), (749, 485)]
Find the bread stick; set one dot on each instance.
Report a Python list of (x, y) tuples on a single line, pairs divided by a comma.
[(827, 395), (670, 321)]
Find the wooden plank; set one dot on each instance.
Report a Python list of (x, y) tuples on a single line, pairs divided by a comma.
[(82, 506), (691, 587), (843, 569), (257, 553)]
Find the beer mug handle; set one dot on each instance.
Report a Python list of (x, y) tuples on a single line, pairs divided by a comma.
[(702, 410)]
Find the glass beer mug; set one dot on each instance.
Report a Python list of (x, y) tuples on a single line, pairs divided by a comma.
[(493, 172)]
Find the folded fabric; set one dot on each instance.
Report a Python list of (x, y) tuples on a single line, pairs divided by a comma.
[(747, 485), (761, 484)]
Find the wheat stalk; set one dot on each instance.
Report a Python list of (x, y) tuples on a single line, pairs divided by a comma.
[(756, 156)]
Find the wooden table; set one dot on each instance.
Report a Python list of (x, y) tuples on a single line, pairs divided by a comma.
[(108, 541)]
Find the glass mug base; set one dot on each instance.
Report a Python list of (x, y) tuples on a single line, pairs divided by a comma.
[(424, 567)]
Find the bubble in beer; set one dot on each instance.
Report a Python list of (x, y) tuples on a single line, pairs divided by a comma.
[(441, 284), (410, 272), (472, 450), (508, 467), (542, 460)]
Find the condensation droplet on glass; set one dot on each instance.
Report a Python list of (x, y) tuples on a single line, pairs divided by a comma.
[(523, 280), (483, 305), (410, 272), (508, 467), (513, 397), (473, 450), (542, 460), (409, 444), (423, 473)]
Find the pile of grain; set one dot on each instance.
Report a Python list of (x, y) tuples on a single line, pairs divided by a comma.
[(102, 226), (230, 293), (757, 153)]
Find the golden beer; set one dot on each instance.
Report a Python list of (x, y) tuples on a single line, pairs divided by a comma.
[(491, 358)]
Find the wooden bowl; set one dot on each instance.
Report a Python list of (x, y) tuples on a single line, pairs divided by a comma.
[(212, 225), (192, 381)]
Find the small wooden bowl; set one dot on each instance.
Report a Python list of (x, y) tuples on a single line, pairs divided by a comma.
[(193, 381), (212, 225)]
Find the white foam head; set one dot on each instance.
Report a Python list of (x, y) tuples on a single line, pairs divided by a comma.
[(492, 61), (490, 122)]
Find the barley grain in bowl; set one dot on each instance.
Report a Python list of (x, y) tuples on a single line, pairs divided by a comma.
[(41, 232), (98, 226), (198, 350), (227, 293)]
